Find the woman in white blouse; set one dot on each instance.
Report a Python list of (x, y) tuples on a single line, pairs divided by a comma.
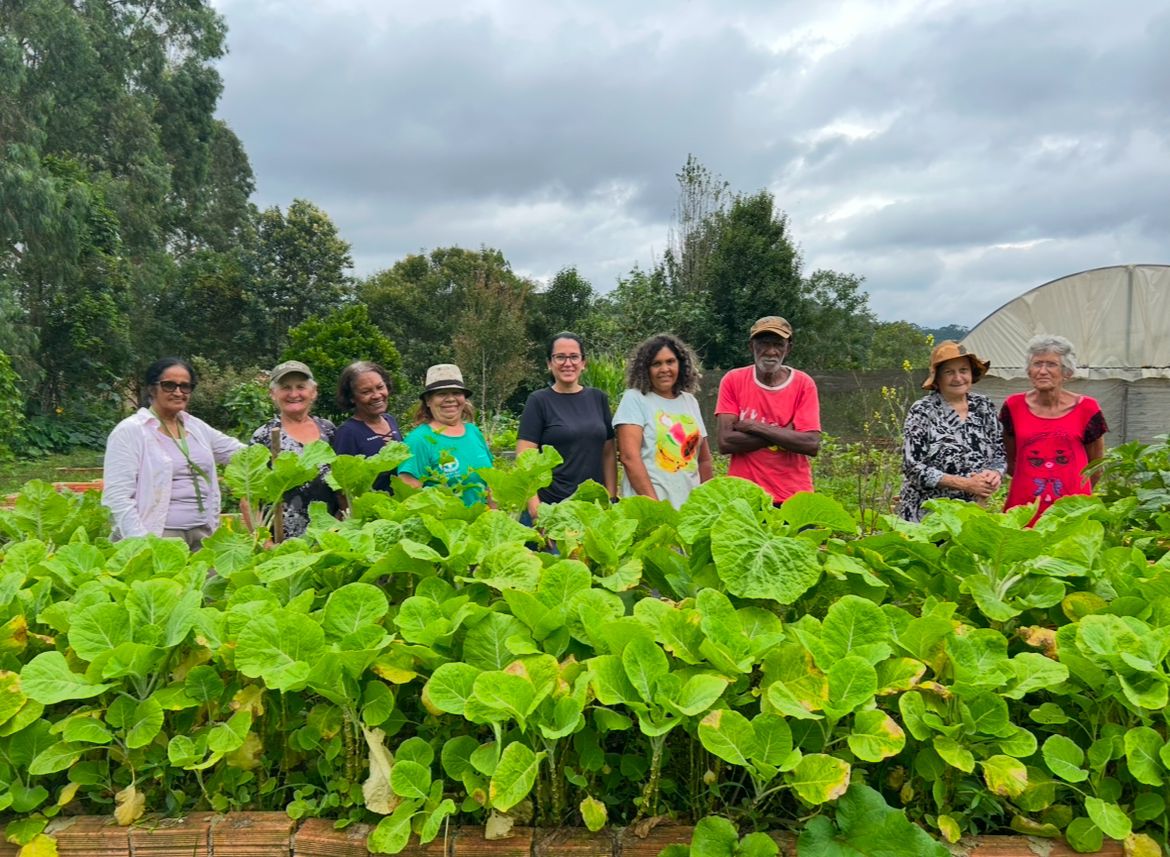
[(159, 472)]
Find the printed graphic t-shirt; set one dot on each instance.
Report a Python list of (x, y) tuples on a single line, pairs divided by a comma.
[(1050, 451), (672, 433), (442, 459), (795, 405)]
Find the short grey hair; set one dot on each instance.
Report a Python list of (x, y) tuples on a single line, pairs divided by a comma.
[(1049, 343)]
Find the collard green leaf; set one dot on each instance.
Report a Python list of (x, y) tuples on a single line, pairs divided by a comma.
[(819, 778), (610, 682), (714, 837), (353, 606), (86, 730), (145, 723), (875, 736), (593, 813), (410, 780), (47, 679), (773, 739), (954, 753), (697, 694), (96, 630), (754, 563), (852, 684), (280, 647), (730, 736), (55, 758), (12, 698), (450, 687), (1142, 746), (1109, 818), (645, 663), (503, 692), (1083, 835), (806, 509), (514, 776), (705, 504), (855, 626), (486, 643), (456, 756), (1064, 758), (1005, 776), (204, 685), (510, 566), (393, 832), (230, 735)]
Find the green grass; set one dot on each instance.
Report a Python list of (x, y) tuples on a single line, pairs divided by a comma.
[(82, 465)]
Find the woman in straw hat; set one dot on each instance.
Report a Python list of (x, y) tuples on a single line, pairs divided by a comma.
[(446, 447), (952, 443)]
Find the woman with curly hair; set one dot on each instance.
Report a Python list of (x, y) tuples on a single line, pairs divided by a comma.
[(661, 439)]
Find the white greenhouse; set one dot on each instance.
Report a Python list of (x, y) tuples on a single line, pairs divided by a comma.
[(1117, 318)]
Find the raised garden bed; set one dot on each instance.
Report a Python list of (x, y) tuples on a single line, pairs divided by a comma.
[(269, 834)]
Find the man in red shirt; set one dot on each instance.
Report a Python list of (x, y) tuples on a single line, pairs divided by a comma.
[(769, 416)]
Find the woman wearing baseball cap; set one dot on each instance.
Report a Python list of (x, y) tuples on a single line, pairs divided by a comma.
[(293, 390), (446, 447)]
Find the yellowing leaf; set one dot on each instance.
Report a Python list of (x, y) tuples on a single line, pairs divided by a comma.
[(250, 698), (594, 813), (1141, 845), (394, 674), (130, 805), (247, 755), (42, 845), (949, 828), (1005, 776), (67, 793)]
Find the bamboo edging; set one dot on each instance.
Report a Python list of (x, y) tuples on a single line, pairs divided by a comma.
[(274, 834)]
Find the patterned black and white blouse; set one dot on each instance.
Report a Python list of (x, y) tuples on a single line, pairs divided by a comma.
[(936, 442), (296, 501)]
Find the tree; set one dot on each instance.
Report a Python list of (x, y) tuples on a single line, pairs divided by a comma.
[(418, 301), (897, 344), (300, 267), (112, 160), (331, 342), (702, 204), (753, 270), (491, 345), (835, 322)]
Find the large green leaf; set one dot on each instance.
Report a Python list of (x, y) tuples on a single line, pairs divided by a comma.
[(852, 684), (754, 563), (510, 566), (705, 504), (96, 630), (645, 663), (855, 626), (1064, 758), (714, 837), (144, 724), (47, 679), (1109, 817), (1005, 776), (230, 735), (730, 736), (410, 780), (280, 647), (486, 643), (58, 757), (450, 687), (514, 776), (806, 509), (1142, 746), (505, 692), (353, 606)]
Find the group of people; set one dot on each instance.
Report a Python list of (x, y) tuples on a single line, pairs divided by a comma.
[(955, 444), (160, 463)]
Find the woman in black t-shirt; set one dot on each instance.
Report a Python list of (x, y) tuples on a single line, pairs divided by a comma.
[(574, 420)]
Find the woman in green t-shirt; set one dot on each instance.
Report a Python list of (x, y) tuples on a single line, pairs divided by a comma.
[(446, 447)]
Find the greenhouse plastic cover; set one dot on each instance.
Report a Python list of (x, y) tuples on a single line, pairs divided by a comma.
[(1118, 319)]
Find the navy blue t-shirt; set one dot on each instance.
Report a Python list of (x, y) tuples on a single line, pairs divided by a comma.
[(576, 425), (353, 437)]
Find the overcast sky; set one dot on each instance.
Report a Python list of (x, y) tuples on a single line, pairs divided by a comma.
[(953, 153)]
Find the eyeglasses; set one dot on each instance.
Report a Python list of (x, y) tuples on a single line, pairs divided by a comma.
[(567, 358), (170, 386)]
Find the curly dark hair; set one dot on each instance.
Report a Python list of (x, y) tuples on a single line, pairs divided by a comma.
[(638, 370)]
